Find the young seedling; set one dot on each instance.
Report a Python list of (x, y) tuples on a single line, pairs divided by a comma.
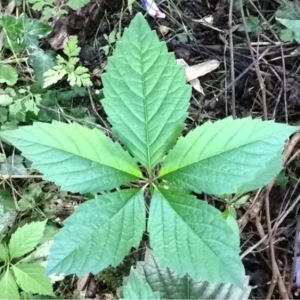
[(76, 75), (15, 274), (146, 101)]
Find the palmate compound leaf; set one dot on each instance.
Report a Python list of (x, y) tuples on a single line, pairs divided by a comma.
[(100, 233), (77, 158), (146, 98), (26, 238), (171, 286), (32, 279), (227, 156), (137, 288), (191, 237)]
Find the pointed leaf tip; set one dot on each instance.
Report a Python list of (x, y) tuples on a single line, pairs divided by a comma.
[(137, 288), (8, 287), (191, 237), (99, 233), (26, 238), (146, 96), (172, 286), (63, 152), (228, 156), (32, 279)]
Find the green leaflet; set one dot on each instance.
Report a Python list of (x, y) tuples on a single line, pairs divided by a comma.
[(146, 98), (3, 253), (26, 238), (8, 287), (171, 286), (227, 156), (292, 25), (14, 165), (63, 152), (191, 237), (137, 288), (22, 32), (8, 75), (77, 4), (41, 62), (32, 279), (100, 233), (7, 207), (289, 16)]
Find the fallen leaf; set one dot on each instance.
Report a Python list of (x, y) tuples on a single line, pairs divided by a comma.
[(193, 72), (195, 83), (206, 20), (164, 29)]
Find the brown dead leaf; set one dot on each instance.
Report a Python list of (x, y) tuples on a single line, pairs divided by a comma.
[(164, 29), (193, 72), (195, 83)]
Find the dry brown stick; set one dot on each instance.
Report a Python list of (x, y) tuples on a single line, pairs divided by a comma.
[(10, 181), (105, 125), (5, 177), (272, 251), (290, 147), (260, 228), (286, 154), (70, 118), (295, 155), (250, 249), (231, 49), (284, 85), (277, 102), (276, 276), (296, 250), (270, 27), (236, 79), (256, 65), (274, 229), (286, 213), (252, 212)]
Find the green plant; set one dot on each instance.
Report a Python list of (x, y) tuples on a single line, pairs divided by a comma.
[(7, 210), (129, 4), (146, 100), (76, 75), (252, 26), (288, 15), (149, 281), (21, 32), (14, 274), (18, 106), (41, 61), (8, 74), (50, 9), (111, 39)]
